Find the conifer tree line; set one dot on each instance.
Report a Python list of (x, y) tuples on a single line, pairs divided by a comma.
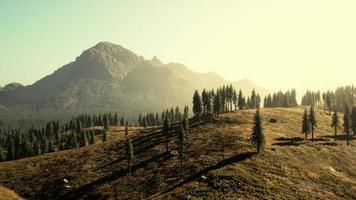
[(16, 144), (86, 120), (281, 99), (222, 100), (331, 100), (19, 143), (173, 115), (309, 123), (349, 123), (311, 98)]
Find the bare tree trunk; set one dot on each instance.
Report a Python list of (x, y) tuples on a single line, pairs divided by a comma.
[(347, 138)]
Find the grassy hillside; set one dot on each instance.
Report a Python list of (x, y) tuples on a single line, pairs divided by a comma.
[(289, 168), (6, 194)]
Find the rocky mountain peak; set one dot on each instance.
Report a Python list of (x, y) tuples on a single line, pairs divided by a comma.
[(111, 60)]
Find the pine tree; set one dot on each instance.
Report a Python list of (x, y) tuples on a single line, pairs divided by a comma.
[(2, 158), (10, 151), (144, 123), (116, 120), (347, 124), (186, 112), (265, 102), (257, 137), (126, 130), (182, 144), (293, 98), (253, 99), (130, 154), (249, 103), (74, 141), (27, 149), (335, 122), (106, 123), (166, 131), (49, 129), (122, 121), (258, 101), (44, 146), (105, 136), (217, 104), (50, 147), (36, 149), (79, 126), (234, 99), (197, 105), (83, 139), (353, 120), (305, 124), (328, 101), (312, 121), (243, 103), (92, 137), (205, 101), (240, 102)]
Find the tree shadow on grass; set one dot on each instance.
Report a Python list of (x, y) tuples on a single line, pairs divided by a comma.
[(329, 144), (340, 137), (320, 139), (293, 141), (197, 175), (79, 192)]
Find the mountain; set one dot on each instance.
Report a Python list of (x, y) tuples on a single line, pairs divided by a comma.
[(111, 77), (11, 86)]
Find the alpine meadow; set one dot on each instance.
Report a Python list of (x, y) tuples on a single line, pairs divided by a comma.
[(165, 100)]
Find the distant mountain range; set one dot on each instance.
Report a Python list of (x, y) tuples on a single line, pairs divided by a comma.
[(111, 77)]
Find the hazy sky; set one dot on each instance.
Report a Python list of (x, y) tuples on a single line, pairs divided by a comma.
[(278, 44)]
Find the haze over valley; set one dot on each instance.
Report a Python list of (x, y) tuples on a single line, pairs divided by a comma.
[(166, 100)]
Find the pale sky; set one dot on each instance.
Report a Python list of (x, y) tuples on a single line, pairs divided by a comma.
[(278, 44)]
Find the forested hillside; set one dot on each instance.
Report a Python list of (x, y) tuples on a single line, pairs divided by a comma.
[(218, 163)]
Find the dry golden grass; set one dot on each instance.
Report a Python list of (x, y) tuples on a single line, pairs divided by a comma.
[(290, 167), (6, 194)]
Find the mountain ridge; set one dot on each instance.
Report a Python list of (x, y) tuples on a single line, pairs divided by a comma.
[(110, 77)]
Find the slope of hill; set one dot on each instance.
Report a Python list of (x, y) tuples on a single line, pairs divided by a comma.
[(290, 167), (110, 77), (7, 194)]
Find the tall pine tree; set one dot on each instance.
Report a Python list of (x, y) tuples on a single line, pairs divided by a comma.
[(257, 137), (353, 120), (240, 103), (313, 121), (305, 124), (335, 123), (197, 106), (347, 124)]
